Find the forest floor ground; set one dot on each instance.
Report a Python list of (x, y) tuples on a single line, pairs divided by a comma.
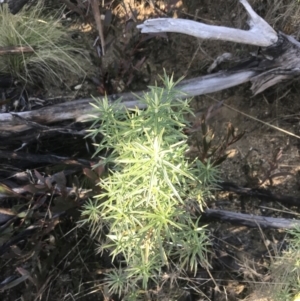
[(69, 269)]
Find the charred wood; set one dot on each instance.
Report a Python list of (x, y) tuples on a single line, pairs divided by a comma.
[(260, 193), (250, 220)]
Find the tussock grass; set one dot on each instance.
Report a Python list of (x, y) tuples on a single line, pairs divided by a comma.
[(282, 282), (55, 53)]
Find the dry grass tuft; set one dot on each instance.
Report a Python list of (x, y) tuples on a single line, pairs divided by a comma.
[(54, 55), (282, 281), (282, 14)]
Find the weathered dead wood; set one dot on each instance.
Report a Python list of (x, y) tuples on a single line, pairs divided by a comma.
[(77, 110), (49, 158), (260, 193), (97, 18), (250, 220), (277, 60), (80, 110), (273, 64), (16, 50), (259, 34)]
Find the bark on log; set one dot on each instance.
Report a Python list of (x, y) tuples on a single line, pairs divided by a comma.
[(250, 220), (80, 110)]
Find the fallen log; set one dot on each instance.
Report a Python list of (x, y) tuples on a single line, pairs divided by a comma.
[(250, 220), (80, 110), (277, 60)]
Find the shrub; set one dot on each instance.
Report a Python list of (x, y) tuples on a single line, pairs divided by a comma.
[(145, 196)]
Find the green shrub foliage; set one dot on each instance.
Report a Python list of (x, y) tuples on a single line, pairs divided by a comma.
[(145, 201)]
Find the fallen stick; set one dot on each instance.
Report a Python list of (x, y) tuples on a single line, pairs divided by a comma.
[(260, 193), (16, 50), (259, 34), (250, 220)]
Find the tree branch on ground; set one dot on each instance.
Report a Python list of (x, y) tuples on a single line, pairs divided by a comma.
[(259, 34), (277, 60), (251, 220)]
